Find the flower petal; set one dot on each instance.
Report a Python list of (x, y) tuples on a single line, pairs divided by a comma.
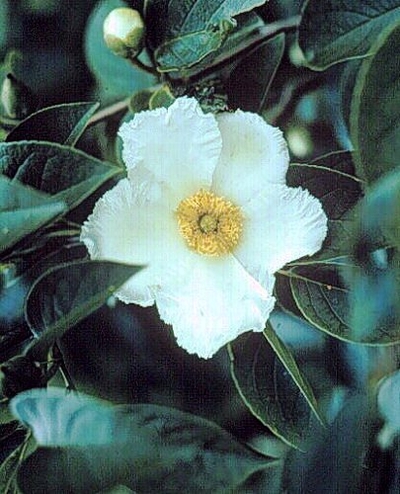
[(179, 146), (254, 155), (217, 301), (281, 225), (131, 224)]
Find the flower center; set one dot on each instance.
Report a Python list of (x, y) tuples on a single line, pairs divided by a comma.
[(211, 225)]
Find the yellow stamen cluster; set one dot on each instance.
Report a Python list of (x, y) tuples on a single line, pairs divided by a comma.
[(211, 225)]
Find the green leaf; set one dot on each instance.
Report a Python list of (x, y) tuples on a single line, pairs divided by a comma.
[(321, 297), (63, 172), (250, 80), (162, 98), (325, 301), (268, 389), (376, 253), (335, 30), (23, 211), (65, 295), (375, 111), (87, 446), (288, 361), (193, 29), (115, 76), (63, 124), (340, 450), (331, 179)]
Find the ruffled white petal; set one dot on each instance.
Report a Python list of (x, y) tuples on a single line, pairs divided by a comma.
[(254, 155), (131, 224), (217, 300), (281, 225), (180, 146)]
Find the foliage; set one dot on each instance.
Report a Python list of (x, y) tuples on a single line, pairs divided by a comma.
[(274, 409)]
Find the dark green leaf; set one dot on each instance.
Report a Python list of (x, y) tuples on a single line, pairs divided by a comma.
[(65, 173), (325, 302), (65, 295), (321, 298), (148, 448), (376, 275), (288, 361), (10, 465), (375, 112), (339, 450), (193, 29), (5, 414), (267, 388), (23, 211), (336, 30), (63, 124), (331, 179), (250, 80), (116, 76)]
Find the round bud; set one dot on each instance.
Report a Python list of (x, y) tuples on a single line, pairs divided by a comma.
[(123, 31)]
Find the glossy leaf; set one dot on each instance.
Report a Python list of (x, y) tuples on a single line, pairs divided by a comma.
[(63, 172), (267, 388), (375, 112), (115, 76), (193, 29), (145, 447), (65, 295), (63, 124), (250, 80), (331, 179), (23, 211), (335, 30)]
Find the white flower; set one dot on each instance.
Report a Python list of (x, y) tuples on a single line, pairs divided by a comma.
[(206, 208)]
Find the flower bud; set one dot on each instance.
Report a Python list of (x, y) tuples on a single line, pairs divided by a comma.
[(123, 31), (17, 99)]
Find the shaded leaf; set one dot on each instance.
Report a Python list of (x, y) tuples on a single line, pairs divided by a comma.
[(250, 80), (23, 211), (267, 388), (339, 450), (375, 275), (65, 173), (9, 467), (375, 111), (65, 295), (63, 124), (191, 30), (335, 30), (148, 448), (116, 76), (287, 359), (331, 179)]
